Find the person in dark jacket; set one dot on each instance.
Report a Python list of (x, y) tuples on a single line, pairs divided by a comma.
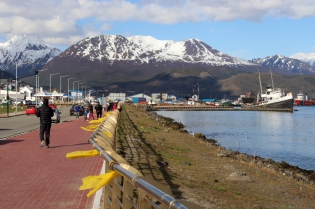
[(45, 113), (99, 110)]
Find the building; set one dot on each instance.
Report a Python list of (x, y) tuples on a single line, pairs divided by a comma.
[(140, 98), (27, 91), (116, 97), (158, 97)]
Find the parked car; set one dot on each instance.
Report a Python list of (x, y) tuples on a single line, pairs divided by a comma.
[(72, 111), (56, 117), (52, 105), (28, 102), (16, 102), (30, 109)]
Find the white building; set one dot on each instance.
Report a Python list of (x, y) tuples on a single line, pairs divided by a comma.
[(27, 91), (156, 97), (116, 97), (135, 98)]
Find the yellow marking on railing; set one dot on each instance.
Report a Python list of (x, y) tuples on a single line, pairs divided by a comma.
[(97, 182), (108, 134), (89, 128), (82, 154)]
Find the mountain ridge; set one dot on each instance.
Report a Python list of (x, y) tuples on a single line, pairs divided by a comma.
[(25, 54), (116, 62)]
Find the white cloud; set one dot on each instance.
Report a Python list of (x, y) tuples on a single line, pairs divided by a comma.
[(62, 21)]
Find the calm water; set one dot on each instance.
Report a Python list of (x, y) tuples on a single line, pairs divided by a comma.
[(280, 136)]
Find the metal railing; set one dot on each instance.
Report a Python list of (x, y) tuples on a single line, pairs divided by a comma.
[(129, 189)]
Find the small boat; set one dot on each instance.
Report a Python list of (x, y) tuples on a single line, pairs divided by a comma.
[(250, 97), (226, 102), (302, 100)]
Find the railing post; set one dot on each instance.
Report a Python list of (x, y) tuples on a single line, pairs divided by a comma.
[(142, 202), (116, 192), (107, 190), (127, 192)]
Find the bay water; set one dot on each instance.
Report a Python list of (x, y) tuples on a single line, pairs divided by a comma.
[(280, 136)]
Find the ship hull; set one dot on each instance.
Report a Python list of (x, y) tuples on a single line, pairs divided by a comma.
[(303, 103), (284, 104)]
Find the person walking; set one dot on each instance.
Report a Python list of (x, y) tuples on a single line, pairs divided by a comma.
[(99, 110), (44, 113), (86, 112), (91, 115), (77, 109)]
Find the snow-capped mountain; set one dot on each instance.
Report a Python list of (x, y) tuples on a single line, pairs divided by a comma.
[(25, 53), (146, 49), (285, 63), (309, 58)]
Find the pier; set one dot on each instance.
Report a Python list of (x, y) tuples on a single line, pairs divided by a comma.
[(213, 108)]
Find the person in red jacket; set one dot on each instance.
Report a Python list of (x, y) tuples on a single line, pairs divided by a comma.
[(91, 115)]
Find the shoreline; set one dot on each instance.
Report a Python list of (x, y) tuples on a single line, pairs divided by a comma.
[(199, 170), (299, 174)]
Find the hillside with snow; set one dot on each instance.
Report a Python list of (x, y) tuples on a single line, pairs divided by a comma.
[(286, 63), (146, 49), (309, 58), (27, 53)]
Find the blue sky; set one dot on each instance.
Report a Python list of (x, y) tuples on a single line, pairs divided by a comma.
[(246, 28)]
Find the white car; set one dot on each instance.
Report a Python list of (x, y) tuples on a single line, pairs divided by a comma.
[(17, 102), (56, 117)]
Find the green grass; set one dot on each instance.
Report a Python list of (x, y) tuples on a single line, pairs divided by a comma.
[(3, 109), (180, 149)]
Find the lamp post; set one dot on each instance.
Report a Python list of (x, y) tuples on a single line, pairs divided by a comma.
[(15, 88), (38, 77), (10, 80), (60, 85), (82, 91), (78, 90), (68, 89), (89, 88), (90, 93), (50, 81), (73, 89)]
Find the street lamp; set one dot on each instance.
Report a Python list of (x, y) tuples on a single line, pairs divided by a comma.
[(90, 93), (60, 85), (68, 89), (37, 82), (50, 80), (88, 90), (38, 77), (73, 88), (15, 88), (9, 81), (82, 91), (78, 90)]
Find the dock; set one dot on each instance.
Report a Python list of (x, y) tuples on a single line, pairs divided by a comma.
[(213, 108)]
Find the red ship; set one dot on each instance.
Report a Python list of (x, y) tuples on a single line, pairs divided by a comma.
[(302, 100)]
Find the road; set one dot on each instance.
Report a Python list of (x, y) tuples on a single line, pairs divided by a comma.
[(20, 124)]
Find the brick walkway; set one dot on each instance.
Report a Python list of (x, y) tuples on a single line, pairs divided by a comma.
[(35, 177)]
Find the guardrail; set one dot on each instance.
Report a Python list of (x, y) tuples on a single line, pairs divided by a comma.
[(129, 189)]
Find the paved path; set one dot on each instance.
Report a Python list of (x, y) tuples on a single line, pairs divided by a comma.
[(35, 177)]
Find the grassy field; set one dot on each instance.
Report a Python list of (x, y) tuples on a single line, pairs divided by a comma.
[(12, 109)]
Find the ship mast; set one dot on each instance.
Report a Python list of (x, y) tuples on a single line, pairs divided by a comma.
[(271, 79), (260, 82)]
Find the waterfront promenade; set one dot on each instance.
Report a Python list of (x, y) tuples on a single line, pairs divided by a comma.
[(35, 177)]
